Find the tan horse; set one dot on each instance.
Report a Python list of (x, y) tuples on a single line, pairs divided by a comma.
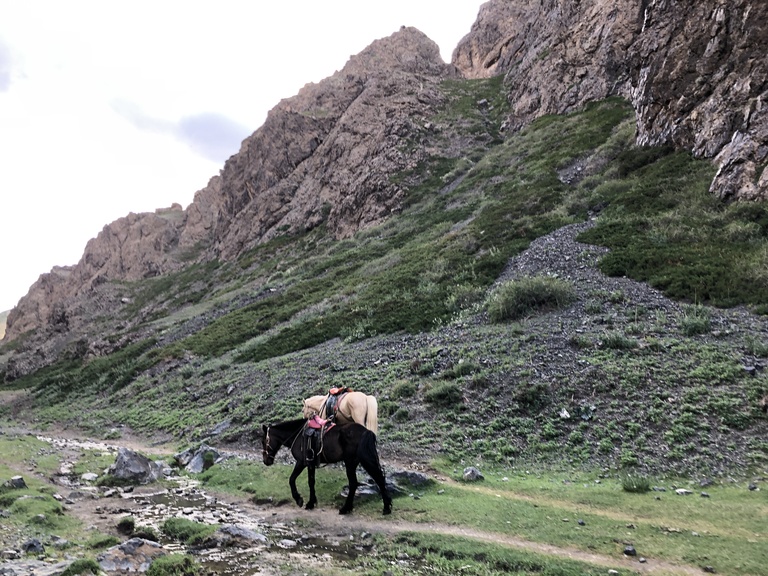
[(351, 407)]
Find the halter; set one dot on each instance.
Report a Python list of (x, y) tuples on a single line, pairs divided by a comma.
[(265, 452)]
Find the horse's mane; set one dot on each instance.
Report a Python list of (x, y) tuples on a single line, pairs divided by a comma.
[(289, 425)]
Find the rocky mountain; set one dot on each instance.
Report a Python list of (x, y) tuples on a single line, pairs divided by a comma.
[(694, 72)]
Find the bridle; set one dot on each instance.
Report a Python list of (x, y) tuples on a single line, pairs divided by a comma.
[(265, 451)]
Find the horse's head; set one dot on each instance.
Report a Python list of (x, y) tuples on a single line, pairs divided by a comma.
[(269, 446)]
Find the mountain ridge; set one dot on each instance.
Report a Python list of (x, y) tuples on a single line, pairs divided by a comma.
[(329, 155)]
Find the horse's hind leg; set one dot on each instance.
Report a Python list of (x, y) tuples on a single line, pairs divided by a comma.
[(297, 470), (352, 479), (369, 458), (312, 496)]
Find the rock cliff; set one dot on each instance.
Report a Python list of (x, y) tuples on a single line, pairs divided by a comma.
[(695, 71), (323, 156)]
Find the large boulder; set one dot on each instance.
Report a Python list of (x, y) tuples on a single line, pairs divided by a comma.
[(133, 468), (133, 556)]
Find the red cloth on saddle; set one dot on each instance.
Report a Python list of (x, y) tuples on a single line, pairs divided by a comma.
[(317, 423)]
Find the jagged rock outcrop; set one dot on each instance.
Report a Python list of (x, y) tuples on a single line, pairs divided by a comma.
[(695, 72), (326, 154)]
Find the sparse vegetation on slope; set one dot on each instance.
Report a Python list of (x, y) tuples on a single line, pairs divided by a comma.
[(618, 376)]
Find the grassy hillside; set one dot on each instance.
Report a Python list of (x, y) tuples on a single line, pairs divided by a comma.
[(413, 312)]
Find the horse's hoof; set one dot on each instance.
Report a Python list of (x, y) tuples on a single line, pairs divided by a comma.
[(309, 507), (300, 503), (387, 510), (345, 510)]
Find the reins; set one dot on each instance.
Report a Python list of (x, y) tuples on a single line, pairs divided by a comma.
[(295, 438)]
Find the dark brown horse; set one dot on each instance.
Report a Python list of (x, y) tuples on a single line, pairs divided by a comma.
[(351, 443)]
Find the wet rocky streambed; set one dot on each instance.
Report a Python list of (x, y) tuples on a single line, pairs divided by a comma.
[(251, 537)]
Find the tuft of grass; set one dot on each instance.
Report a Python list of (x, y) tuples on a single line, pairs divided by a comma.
[(187, 531), (174, 565), (101, 541), (82, 566), (126, 525), (635, 483), (444, 395), (519, 298), (618, 341), (695, 320)]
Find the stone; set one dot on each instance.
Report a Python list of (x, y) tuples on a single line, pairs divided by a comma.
[(630, 551), (134, 555), (472, 474), (134, 468), (33, 546), (16, 483)]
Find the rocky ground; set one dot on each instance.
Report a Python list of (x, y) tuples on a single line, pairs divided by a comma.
[(254, 537)]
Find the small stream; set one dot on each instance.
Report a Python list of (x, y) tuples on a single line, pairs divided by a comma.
[(248, 542)]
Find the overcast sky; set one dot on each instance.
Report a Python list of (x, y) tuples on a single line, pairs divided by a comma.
[(111, 107)]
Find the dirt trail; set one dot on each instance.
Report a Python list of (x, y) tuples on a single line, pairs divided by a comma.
[(332, 522)]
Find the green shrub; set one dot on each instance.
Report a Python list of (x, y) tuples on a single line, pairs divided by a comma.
[(635, 483), (421, 367), (187, 531), (459, 370), (618, 341), (695, 320), (593, 306), (82, 566), (519, 298), (444, 394), (532, 396), (402, 415), (174, 565), (101, 541), (404, 389), (580, 341), (147, 533), (126, 525)]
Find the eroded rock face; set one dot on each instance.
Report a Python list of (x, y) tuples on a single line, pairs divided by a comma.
[(326, 154), (322, 156), (695, 72)]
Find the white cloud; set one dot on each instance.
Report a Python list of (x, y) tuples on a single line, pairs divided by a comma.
[(5, 67)]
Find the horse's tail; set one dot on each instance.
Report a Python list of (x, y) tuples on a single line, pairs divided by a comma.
[(368, 454), (372, 414)]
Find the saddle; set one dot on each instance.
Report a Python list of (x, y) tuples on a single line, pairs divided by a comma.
[(334, 397)]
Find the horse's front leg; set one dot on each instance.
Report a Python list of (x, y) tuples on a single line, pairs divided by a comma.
[(311, 480), (352, 479), (297, 470)]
